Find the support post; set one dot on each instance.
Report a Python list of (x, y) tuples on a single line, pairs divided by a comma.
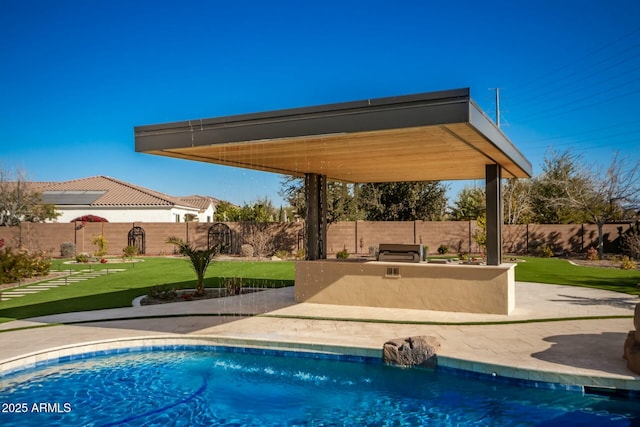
[(493, 177), (315, 191)]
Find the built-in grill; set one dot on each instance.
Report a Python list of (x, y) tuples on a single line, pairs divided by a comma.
[(399, 252)]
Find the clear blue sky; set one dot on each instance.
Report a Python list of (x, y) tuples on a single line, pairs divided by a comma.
[(77, 76)]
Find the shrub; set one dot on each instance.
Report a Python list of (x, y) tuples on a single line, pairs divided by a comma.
[(631, 242), (129, 252), (22, 264), (102, 245), (343, 254), (545, 251), (627, 263), (163, 293), (443, 249), (592, 254), (83, 257), (301, 254), (246, 250), (282, 254), (67, 250)]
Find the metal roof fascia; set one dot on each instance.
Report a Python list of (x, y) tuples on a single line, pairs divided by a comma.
[(486, 127), (308, 122)]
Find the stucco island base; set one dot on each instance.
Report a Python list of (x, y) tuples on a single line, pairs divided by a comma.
[(423, 286)]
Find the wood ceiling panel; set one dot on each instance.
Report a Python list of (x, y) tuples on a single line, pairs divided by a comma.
[(430, 153)]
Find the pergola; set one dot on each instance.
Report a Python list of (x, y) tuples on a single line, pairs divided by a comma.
[(429, 136)]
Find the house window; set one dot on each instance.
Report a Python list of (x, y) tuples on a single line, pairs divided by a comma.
[(177, 217), (208, 219)]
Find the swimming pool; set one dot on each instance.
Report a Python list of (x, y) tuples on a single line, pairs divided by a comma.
[(205, 386)]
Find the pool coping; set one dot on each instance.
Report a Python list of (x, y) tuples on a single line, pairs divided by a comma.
[(486, 371)]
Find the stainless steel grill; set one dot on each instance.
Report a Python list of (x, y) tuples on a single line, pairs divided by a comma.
[(399, 252)]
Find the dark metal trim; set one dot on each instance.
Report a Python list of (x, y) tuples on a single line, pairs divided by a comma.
[(494, 135), (359, 116)]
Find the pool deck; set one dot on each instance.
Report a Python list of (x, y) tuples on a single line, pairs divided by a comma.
[(571, 340)]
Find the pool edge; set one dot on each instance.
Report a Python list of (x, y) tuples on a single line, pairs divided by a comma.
[(485, 371)]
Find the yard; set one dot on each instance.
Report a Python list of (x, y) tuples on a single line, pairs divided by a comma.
[(120, 288)]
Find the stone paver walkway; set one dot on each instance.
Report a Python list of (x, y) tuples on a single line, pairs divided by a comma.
[(54, 283)]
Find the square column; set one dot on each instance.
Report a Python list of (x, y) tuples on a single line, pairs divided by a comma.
[(315, 196), (493, 177)]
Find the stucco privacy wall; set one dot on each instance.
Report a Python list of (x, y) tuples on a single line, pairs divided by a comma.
[(355, 237)]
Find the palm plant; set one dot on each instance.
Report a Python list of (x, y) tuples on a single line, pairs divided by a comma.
[(200, 259)]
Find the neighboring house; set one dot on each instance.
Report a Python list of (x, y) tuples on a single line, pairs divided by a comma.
[(120, 201), (206, 205)]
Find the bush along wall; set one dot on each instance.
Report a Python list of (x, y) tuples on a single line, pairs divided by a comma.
[(21, 264)]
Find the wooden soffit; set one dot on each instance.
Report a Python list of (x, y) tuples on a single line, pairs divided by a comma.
[(432, 136)]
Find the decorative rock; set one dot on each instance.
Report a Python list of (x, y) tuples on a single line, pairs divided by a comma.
[(413, 351), (632, 344)]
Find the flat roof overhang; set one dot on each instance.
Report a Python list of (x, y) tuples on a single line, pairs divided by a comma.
[(430, 136)]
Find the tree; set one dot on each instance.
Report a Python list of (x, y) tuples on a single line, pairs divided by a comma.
[(601, 196), (341, 199), (20, 202), (548, 191), (516, 196), (226, 211), (470, 204), (262, 210), (292, 190), (200, 259), (403, 201)]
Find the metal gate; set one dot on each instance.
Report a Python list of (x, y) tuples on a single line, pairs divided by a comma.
[(220, 234), (136, 238)]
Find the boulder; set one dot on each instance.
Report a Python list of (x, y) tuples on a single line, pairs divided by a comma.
[(632, 352), (413, 351), (636, 321), (632, 344)]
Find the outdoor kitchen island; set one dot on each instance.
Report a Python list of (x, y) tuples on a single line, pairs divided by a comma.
[(423, 285)]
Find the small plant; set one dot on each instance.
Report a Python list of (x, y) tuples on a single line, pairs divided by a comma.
[(233, 285), (592, 254), (443, 249), (282, 254), (545, 251), (343, 254), (163, 293), (102, 245), (300, 254), (129, 252), (627, 263), (200, 259), (82, 257)]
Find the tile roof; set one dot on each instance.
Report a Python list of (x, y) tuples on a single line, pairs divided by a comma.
[(116, 192), (201, 202)]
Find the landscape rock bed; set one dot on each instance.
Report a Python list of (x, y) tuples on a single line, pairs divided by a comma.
[(188, 295)]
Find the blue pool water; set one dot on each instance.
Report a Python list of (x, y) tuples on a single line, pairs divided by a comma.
[(206, 388)]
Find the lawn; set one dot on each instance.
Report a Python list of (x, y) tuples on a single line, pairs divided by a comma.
[(119, 289), (561, 272)]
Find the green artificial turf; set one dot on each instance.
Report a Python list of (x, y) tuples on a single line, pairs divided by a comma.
[(562, 272), (119, 289)]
